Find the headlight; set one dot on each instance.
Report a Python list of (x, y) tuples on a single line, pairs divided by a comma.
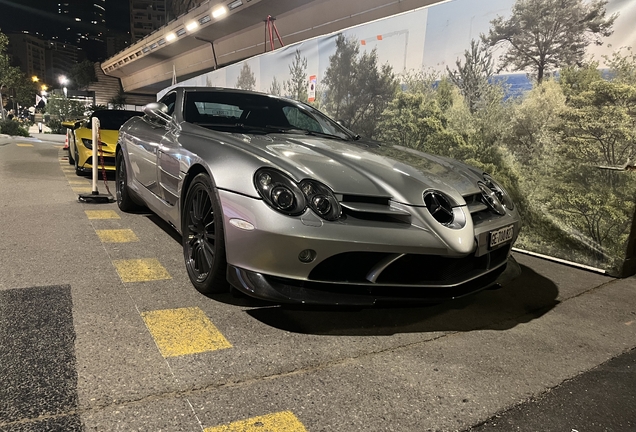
[(287, 197), (321, 199), (501, 193), (87, 143), (280, 192)]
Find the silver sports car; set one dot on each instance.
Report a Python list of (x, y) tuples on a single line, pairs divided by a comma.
[(282, 203)]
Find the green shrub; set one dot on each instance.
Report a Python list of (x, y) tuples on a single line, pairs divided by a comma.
[(12, 127), (56, 126)]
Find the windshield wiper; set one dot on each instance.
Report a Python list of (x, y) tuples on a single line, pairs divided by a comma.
[(243, 127), (314, 133)]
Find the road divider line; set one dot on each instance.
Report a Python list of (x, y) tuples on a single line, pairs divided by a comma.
[(284, 421), (102, 214), (116, 235), (24, 145), (183, 331), (141, 270)]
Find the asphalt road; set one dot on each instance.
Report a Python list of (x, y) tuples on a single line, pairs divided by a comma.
[(101, 330)]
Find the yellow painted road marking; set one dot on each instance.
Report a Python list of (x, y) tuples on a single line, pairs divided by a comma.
[(82, 190), (24, 145), (117, 236), (141, 270), (101, 214), (79, 182), (183, 331), (284, 421), (59, 147)]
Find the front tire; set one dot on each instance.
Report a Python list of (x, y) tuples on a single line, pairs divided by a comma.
[(203, 237), (125, 201), (78, 170), (71, 159)]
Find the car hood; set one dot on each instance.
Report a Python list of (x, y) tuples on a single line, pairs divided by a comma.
[(356, 169)]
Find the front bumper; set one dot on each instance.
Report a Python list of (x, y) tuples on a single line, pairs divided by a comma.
[(281, 290)]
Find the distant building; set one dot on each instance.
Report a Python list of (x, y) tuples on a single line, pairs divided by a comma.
[(60, 59), (28, 52), (85, 25), (179, 7), (116, 43), (146, 16)]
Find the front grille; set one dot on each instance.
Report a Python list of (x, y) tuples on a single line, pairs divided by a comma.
[(108, 161), (371, 208), (411, 269)]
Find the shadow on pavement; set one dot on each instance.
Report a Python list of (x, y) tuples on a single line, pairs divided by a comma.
[(527, 298)]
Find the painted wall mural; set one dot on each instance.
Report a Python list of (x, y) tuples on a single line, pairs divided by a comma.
[(539, 93)]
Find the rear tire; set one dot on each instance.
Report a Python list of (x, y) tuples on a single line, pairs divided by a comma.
[(125, 201), (203, 237)]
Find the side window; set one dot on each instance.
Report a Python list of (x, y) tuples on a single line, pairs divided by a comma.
[(301, 120), (169, 100)]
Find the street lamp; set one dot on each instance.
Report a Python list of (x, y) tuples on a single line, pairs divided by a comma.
[(63, 80)]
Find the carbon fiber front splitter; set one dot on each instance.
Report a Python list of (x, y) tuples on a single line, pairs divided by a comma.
[(282, 290)]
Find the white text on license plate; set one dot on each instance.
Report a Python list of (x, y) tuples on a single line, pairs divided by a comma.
[(501, 235)]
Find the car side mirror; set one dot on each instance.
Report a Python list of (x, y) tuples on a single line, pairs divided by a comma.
[(158, 112)]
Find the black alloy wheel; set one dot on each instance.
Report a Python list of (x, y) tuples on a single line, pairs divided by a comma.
[(71, 159), (203, 237), (125, 201), (78, 170)]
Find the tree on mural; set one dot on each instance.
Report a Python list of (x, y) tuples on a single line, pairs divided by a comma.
[(533, 120), (275, 88), (471, 76), (296, 86), (357, 89), (594, 129), (542, 35), (246, 80)]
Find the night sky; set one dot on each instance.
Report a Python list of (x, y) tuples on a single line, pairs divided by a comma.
[(41, 16)]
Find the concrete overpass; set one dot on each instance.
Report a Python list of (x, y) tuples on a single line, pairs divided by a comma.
[(233, 30)]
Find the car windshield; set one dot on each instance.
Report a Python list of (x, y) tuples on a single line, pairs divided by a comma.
[(113, 119), (256, 113)]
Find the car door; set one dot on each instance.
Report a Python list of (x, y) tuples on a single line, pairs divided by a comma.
[(144, 150), (169, 167)]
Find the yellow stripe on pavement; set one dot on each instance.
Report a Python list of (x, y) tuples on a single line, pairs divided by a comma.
[(101, 214), (183, 331), (141, 270), (284, 421), (24, 145), (79, 182), (117, 236), (84, 190)]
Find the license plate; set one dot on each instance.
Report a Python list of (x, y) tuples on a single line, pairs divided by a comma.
[(502, 235)]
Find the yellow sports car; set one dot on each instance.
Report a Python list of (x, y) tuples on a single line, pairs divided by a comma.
[(80, 145)]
